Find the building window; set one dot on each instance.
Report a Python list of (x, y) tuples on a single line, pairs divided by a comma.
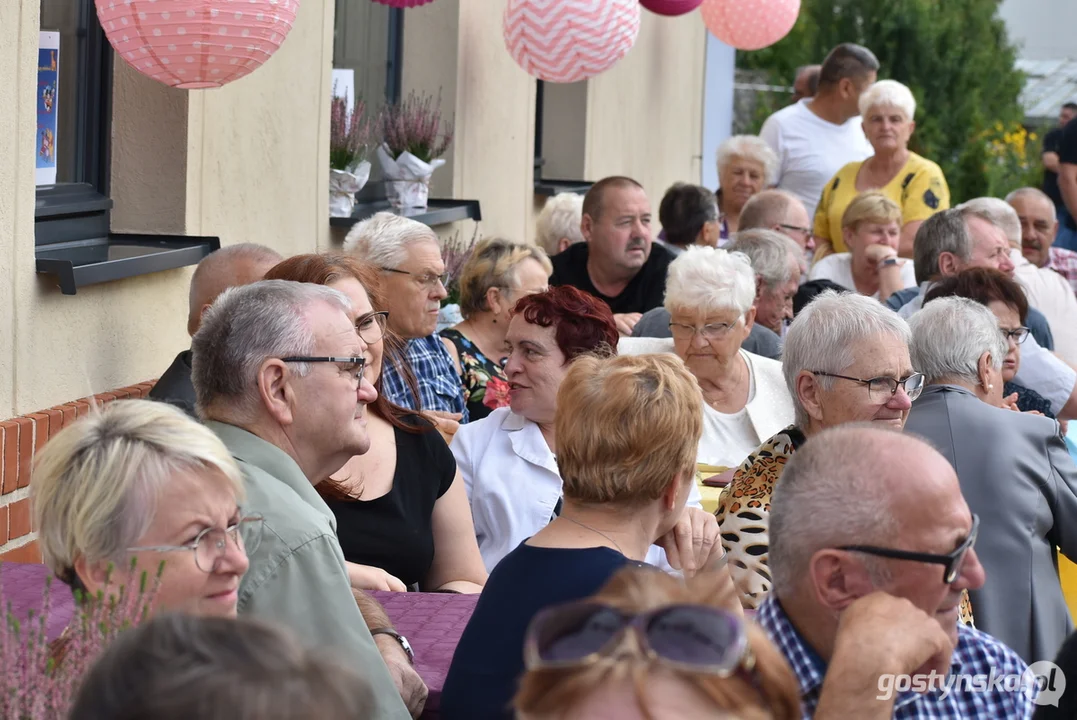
[(76, 205), (560, 137)]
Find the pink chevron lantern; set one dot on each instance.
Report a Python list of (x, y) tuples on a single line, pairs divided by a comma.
[(671, 8), (750, 24), (193, 44), (403, 3), (566, 41)]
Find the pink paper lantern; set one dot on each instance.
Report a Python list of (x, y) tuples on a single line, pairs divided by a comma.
[(671, 8), (750, 24), (403, 3), (566, 41), (194, 44)]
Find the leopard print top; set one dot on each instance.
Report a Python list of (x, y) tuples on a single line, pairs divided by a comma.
[(743, 515)]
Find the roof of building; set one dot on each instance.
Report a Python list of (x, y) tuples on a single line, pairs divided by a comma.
[(1050, 84)]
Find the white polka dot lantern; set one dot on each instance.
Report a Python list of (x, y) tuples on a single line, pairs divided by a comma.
[(750, 24), (192, 44)]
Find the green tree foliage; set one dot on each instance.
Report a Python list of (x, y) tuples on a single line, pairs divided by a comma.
[(953, 54)]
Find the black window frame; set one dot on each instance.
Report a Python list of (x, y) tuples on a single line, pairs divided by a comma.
[(394, 74), (71, 211)]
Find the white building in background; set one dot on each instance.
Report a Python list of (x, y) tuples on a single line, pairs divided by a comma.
[(1044, 32)]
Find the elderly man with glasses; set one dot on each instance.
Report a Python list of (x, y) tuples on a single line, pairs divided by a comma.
[(277, 368), (871, 548), (413, 274)]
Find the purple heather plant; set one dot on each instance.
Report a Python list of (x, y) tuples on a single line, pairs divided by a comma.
[(350, 133), (41, 678), (416, 126)]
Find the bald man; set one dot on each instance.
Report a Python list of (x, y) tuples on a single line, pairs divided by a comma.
[(230, 266)]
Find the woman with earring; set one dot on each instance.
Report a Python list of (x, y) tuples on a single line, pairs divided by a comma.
[(497, 274)]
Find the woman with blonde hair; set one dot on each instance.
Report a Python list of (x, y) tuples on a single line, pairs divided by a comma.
[(649, 645), (746, 166), (914, 183), (497, 274), (140, 482)]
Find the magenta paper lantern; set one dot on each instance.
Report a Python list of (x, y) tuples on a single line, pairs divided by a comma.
[(403, 3), (750, 24), (671, 8), (193, 44), (566, 41)]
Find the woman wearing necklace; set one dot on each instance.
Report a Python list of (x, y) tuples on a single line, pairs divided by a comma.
[(627, 432), (496, 275), (915, 183)]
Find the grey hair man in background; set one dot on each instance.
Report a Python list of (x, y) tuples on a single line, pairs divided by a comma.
[(230, 266), (806, 82), (782, 212), (558, 225), (278, 374)]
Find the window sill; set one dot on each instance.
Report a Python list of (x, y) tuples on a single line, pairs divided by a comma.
[(549, 188), (437, 212), (88, 262)]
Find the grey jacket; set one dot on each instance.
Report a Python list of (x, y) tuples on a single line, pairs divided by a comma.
[(761, 340), (1017, 475)]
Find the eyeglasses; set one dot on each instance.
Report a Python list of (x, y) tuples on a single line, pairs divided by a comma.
[(430, 281), (711, 331), (1018, 335), (211, 544), (795, 228), (881, 389), (953, 562), (689, 637), (351, 365), (371, 327)]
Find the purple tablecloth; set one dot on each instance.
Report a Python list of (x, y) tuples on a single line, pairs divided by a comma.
[(432, 622)]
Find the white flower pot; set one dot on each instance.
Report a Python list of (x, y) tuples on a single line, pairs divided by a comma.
[(342, 188), (407, 178)]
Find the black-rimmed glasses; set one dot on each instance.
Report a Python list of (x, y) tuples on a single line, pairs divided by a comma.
[(211, 544), (371, 327), (427, 280), (1018, 335), (952, 562), (351, 365), (795, 228), (881, 389)]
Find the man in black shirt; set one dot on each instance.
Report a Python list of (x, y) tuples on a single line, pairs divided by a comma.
[(1060, 150), (618, 264)]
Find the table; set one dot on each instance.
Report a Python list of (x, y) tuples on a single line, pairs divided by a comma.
[(432, 622), (710, 495)]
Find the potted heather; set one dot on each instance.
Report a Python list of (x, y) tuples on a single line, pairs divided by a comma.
[(349, 144), (414, 137)]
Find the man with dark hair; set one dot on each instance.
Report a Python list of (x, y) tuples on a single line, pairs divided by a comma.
[(689, 216), (815, 137), (806, 83), (1051, 142), (618, 264), (1067, 179)]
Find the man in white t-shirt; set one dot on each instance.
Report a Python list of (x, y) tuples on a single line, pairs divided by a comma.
[(815, 137)]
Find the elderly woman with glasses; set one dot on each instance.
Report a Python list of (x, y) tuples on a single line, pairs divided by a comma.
[(401, 509), (710, 295), (1014, 469), (915, 184), (140, 483)]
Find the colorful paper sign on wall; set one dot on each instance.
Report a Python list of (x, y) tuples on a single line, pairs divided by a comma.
[(48, 95)]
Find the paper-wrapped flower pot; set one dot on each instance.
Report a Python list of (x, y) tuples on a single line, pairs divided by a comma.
[(750, 24), (566, 41), (671, 8), (194, 44), (404, 3)]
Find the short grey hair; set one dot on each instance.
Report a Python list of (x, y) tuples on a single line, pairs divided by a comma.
[(773, 256), (560, 218), (242, 328), (1027, 192), (382, 240), (825, 335), (707, 280), (97, 482), (765, 209), (888, 93), (950, 334), (945, 231), (218, 272), (831, 495), (997, 212), (749, 147)]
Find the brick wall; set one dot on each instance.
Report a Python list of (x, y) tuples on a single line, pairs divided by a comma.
[(20, 438)]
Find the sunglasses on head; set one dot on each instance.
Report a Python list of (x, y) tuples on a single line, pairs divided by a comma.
[(695, 638)]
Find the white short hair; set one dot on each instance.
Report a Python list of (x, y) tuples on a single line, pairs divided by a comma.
[(772, 254), (709, 280), (825, 335), (560, 218), (888, 93), (950, 334), (997, 212), (749, 147), (381, 240)]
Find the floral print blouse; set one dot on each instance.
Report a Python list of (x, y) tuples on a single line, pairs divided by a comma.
[(485, 386)]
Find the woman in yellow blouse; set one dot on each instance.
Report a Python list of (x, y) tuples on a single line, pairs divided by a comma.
[(916, 184)]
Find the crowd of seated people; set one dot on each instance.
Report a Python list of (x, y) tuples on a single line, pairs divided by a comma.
[(880, 384)]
